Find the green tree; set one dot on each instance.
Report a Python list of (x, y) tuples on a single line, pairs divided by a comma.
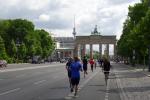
[(13, 49), (34, 42), (39, 50), (3, 54), (22, 51), (135, 32), (45, 53)]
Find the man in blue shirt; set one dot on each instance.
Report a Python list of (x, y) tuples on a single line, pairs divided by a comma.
[(75, 67)]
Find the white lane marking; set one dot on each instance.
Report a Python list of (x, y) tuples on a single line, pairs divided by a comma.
[(68, 98), (50, 71), (86, 81), (71, 95), (10, 91), (37, 73), (107, 90), (39, 82), (122, 93), (20, 76), (19, 69)]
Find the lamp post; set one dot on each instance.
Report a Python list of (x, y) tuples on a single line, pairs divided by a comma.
[(149, 58), (149, 47), (133, 62)]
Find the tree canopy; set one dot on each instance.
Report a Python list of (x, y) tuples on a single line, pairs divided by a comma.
[(136, 33), (20, 40)]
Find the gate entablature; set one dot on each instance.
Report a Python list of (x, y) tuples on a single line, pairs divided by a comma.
[(94, 38)]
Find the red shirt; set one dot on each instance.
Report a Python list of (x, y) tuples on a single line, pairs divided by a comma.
[(91, 62)]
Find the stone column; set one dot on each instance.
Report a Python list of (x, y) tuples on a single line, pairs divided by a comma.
[(76, 50), (63, 54), (91, 51), (71, 53), (83, 50), (107, 50), (100, 50), (60, 55), (115, 53), (79, 51)]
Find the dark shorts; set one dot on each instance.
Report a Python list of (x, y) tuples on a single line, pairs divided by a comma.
[(69, 74), (106, 72), (75, 81), (85, 67)]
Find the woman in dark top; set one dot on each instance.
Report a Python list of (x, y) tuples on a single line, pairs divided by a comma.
[(106, 69)]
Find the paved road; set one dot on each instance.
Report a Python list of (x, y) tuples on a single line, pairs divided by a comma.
[(50, 82), (33, 83)]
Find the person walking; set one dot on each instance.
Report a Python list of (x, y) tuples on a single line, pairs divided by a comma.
[(75, 67), (101, 62), (106, 69), (91, 63), (85, 63), (68, 64)]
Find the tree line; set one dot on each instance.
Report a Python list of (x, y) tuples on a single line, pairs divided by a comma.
[(135, 39), (20, 41)]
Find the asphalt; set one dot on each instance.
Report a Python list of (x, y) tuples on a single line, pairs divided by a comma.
[(50, 82)]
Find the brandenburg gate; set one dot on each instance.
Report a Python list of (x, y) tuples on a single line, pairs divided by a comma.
[(94, 38)]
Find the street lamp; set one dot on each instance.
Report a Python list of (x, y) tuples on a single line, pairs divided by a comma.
[(149, 58), (133, 62)]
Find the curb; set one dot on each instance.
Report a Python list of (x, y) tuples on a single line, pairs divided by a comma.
[(145, 71), (140, 70)]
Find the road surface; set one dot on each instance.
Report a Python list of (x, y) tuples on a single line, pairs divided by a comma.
[(50, 82)]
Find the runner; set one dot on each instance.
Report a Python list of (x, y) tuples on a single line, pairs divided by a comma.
[(75, 67), (101, 62), (68, 64), (91, 63), (85, 63), (106, 68)]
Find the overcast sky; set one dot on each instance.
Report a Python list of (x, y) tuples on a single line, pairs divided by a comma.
[(57, 16)]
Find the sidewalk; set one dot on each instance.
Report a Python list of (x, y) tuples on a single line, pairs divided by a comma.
[(28, 65), (134, 84)]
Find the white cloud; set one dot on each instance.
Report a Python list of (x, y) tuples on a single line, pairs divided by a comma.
[(58, 15), (44, 17)]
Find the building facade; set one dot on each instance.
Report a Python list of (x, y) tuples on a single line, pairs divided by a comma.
[(64, 47)]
